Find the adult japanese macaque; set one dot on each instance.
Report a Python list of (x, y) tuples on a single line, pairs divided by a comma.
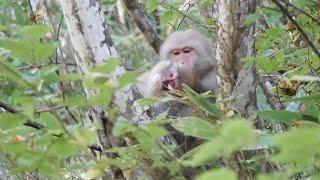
[(185, 57)]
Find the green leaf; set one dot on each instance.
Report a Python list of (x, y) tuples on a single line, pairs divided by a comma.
[(30, 51), (280, 116), (84, 137), (21, 49), (36, 31), (265, 140), (20, 15), (110, 66), (20, 130), (13, 74), (205, 3), (156, 131), (239, 132), (147, 101), (274, 176), (43, 51), (122, 127), (74, 102), (127, 78), (104, 97), (48, 74), (28, 105), (251, 18), (71, 77), (306, 78), (302, 3), (262, 100), (8, 121), (48, 120), (43, 140), (47, 165), (299, 145), (218, 174), (3, 28), (151, 6), (166, 17), (94, 173), (204, 104), (311, 98), (146, 142), (119, 128), (15, 148), (311, 113), (192, 126), (62, 148), (122, 163)]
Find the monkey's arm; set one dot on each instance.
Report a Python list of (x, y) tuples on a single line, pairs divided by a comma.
[(141, 82), (148, 85), (209, 82)]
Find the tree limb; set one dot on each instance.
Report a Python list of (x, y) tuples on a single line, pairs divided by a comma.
[(301, 11), (273, 104), (137, 12), (304, 34), (7, 107)]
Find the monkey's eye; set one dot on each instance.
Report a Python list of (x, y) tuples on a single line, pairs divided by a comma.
[(176, 52), (187, 50)]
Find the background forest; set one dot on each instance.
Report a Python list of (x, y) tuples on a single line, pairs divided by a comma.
[(69, 108)]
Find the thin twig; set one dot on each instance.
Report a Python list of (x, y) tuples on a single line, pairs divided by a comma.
[(271, 9), (285, 11), (59, 27), (56, 33), (313, 72), (279, 98), (50, 17), (301, 11), (191, 19), (24, 68), (136, 11), (49, 109), (33, 17), (189, 4), (273, 104), (37, 125)]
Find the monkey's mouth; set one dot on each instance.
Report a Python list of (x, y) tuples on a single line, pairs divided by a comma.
[(170, 84)]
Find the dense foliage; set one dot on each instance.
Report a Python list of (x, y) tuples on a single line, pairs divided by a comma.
[(44, 130)]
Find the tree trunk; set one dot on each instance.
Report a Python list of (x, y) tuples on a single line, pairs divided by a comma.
[(93, 45), (138, 13), (237, 85)]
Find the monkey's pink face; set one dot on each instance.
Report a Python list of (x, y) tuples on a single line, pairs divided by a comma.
[(184, 55)]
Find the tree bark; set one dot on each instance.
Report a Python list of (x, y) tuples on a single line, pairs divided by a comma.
[(138, 13), (237, 85), (93, 45)]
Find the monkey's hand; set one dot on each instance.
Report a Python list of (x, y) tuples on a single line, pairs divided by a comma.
[(170, 81)]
